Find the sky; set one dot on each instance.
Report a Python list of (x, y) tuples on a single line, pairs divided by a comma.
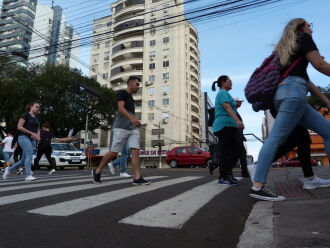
[(233, 45)]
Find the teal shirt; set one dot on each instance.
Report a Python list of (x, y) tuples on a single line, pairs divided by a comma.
[(222, 118)]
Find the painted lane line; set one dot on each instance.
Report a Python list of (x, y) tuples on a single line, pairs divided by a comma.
[(50, 192), (75, 206), (176, 211), (28, 186), (258, 230)]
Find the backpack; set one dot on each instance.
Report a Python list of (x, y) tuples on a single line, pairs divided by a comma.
[(262, 85), (211, 116)]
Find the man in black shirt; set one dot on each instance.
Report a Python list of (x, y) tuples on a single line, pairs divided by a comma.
[(45, 147), (124, 130)]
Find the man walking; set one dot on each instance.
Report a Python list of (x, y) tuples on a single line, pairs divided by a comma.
[(124, 130), (242, 157)]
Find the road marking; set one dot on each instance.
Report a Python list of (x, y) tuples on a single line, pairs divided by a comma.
[(175, 212), (48, 179), (49, 192), (258, 231), (34, 185), (75, 206)]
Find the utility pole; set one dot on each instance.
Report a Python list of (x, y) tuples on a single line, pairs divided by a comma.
[(159, 146)]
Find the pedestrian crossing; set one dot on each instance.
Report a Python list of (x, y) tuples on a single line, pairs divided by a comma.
[(169, 213)]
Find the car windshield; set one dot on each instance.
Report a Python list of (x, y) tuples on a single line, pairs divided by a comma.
[(64, 147)]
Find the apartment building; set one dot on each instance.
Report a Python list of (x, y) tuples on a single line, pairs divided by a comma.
[(15, 36), (30, 33), (151, 39)]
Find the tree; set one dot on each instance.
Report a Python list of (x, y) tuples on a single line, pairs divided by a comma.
[(64, 102), (315, 102)]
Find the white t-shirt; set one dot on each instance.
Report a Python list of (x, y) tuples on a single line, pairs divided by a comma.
[(7, 141)]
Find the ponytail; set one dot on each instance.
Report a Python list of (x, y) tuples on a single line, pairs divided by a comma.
[(219, 82)]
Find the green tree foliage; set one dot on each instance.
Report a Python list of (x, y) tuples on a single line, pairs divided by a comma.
[(64, 102), (315, 102)]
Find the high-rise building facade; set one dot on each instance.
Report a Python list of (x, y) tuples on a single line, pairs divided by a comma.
[(34, 33), (15, 36), (151, 40)]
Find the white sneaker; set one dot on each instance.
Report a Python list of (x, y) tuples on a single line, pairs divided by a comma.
[(125, 174), (252, 171), (30, 178), (20, 171), (315, 183), (111, 169), (6, 173), (52, 171)]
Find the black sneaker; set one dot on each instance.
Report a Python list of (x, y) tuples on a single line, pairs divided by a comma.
[(140, 181), (232, 178), (96, 177), (265, 194), (226, 182)]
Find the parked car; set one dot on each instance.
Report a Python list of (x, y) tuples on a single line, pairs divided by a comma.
[(65, 155), (188, 155), (292, 162)]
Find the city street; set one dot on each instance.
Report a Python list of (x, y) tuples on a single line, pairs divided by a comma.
[(181, 208)]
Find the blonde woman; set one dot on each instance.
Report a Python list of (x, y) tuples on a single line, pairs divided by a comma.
[(290, 100), (28, 126)]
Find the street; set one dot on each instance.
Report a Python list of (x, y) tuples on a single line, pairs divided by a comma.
[(181, 208)]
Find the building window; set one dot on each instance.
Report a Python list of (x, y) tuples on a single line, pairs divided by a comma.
[(166, 76), (166, 52), (107, 44), (151, 103), (152, 78), (166, 101), (166, 63), (166, 40), (165, 115), (165, 89), (153, 43), (95, 57), (151, 116), (106, 56), (105, 76), (94, 77), (108, 24), (152, 55), (94, 68), (152, 66), (152, 31), (106, 65), (138, 115), (151, 91)]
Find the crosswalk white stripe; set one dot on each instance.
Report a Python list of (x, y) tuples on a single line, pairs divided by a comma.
[(6, 183), (49, 192), (175, 212), (28, 186), (75, 206)]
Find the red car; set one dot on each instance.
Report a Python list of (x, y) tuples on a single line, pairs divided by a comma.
[(188, 155), (293, 162)]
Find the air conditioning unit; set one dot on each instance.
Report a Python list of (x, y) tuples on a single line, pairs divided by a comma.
[(153, 13), (165, 93), (148, 83), (165, 10), (152, 57), (165, 121), (165, 81)]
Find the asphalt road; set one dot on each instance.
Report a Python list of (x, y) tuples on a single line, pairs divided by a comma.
[(181, 208)]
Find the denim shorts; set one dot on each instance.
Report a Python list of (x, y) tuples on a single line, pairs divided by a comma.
[(122, 136), (7, 156)]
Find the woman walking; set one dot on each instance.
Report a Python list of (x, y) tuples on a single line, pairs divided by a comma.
[(225, 127), (28, 126), (290, 100)]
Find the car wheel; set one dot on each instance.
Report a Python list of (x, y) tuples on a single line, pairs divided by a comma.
[(81, 167), (173, 163)]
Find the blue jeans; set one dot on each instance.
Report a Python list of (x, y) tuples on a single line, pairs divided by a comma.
[(290, 102), (27, 145), (122, 160)]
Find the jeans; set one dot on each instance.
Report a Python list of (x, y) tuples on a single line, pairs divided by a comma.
[(122, 160), (7, 156), (291, 105), (27, 145)]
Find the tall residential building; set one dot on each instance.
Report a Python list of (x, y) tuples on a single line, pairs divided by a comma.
[(151, 39), (53, 42), (30, 33), (15, 36)]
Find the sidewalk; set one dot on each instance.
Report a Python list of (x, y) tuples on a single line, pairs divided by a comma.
[(301, 221)]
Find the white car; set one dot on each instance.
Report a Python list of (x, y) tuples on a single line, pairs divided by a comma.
[(65, 155)]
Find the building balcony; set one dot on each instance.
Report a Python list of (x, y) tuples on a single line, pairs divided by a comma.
[(195, 118), (194, 67), (126, 7), (194, 109), (128, 32), (195, 104), (195, 94), (194, 83), (195, 75), (194, 100), (127, 53), (194, 61), (128, 40), (195, 58), (123, 76), (193, 88), (193, 32), (128, 62), (193, 42), (131, 21)]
